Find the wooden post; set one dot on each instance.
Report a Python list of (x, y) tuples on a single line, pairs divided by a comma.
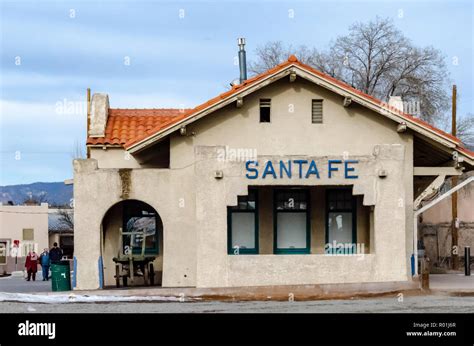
[(425, 273), (454, 198), (88, 120), (467, 261)]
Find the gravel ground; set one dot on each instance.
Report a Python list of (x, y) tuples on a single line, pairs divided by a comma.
[(417, 304)]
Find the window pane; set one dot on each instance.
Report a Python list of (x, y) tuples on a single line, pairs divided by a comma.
[(340, 199), (340, 227), (291, 232), (243, 230), (265, 110), (246, 202), (28, 234), (3, 252), (340, 195), (292, 200), (242, 204)]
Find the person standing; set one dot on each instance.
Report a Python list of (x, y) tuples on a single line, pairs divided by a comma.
[(31, 265), (45, 262), (55, 254)]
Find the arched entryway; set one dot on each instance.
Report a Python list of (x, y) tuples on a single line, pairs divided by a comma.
[(124, 227)]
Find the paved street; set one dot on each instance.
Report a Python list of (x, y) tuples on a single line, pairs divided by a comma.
[(20, 285), (418, 304), (452, 282)]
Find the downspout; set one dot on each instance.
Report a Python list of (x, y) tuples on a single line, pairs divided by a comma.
[(425, 208)]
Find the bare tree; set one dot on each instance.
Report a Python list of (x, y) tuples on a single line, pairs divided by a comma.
[(377, 59), (275, 52), (36, 199), (465, 130), (66, 218)]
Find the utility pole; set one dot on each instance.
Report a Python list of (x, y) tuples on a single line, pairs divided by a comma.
[(454, 198)]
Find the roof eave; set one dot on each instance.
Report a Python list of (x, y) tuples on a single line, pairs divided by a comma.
[(136, 147)]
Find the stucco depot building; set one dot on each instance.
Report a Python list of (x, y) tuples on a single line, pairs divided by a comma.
[(289, 178)]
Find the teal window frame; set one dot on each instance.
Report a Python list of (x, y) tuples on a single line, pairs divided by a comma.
[(353, 210), (291, 251), (235, 209)]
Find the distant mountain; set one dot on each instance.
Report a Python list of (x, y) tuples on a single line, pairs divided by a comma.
[(54, 194)]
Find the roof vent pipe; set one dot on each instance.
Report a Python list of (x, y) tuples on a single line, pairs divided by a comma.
[(242, 60)]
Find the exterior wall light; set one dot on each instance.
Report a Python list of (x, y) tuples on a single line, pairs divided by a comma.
[(382, 173), (402, 127)]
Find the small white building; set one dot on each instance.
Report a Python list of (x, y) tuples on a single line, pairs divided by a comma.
[(25, 225), (289, 178)]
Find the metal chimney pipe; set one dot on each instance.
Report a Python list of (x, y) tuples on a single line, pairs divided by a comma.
[(242, 59)]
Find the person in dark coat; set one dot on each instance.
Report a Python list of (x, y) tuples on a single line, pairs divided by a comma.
[(45, 262), (31, 265), (55, 254)]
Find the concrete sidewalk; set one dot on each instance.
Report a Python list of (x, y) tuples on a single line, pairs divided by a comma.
[(261, 293), (452, 283)]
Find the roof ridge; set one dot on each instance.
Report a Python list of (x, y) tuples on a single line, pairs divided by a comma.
[(291, 61)]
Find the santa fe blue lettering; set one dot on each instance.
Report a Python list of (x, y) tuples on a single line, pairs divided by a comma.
[(348, 169), (313, 169), (331, 168), (300, 163), (286, 169), (253, 170), (269, 170)]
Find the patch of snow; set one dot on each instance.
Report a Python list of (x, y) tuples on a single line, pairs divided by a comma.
[(77, 298)]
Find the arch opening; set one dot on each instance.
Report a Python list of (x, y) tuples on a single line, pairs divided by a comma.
[(132, 245)]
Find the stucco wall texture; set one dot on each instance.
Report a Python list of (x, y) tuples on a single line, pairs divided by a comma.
[(192, 203)]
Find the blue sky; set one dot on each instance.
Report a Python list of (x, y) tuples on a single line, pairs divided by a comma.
[(51, 51)]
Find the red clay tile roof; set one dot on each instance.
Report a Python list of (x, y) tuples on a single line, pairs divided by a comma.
[(124, 125), (127, 134), (466, 151)]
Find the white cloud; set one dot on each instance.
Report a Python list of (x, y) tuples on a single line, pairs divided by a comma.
[(28, 113)]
